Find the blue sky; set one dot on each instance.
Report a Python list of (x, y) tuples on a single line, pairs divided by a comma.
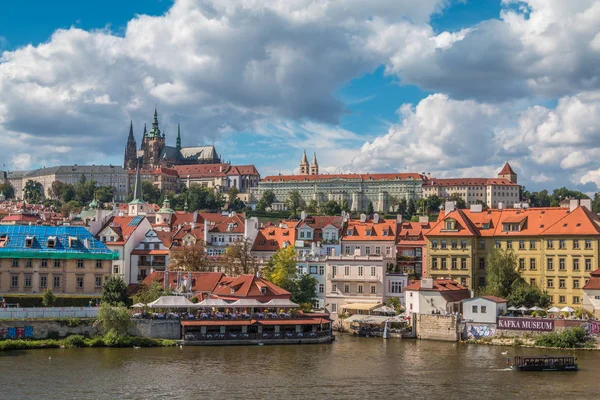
[(385, 99)]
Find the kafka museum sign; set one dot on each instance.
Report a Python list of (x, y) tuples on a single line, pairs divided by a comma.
[(526, 324)]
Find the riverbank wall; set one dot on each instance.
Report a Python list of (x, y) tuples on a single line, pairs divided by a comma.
[(156, 329), (44, 329), (476, 331), (437, 327)]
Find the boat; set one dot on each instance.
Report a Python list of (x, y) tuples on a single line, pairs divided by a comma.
[(545, 363)]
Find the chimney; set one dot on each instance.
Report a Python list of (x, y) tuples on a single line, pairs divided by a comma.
[(333, 252), (363, 217), (448, 207), (423, 219), (587, 203), (573, 204), (500, 205), (476, 208), (303, 215), (427, 283), (376, 218), (399, 218)]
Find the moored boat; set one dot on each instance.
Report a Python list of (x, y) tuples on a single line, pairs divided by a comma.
[(545, 363)]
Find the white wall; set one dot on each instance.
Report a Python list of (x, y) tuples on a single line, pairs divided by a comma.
[(491, 312)]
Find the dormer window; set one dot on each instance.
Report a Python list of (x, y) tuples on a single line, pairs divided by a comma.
[(350, 232), (450, 225), (72, 241), (29, 241), (232, 290), (263, 290), (51, 242), (369, 232), (485, 225), (385, 232)]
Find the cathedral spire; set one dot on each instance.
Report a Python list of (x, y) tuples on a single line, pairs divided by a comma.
[(130, 130), (178, 145), (155, 131), (137, 191), (145, 130), (130, 150)]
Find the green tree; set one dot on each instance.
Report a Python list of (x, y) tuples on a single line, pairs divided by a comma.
[(526, 295), (8, 190), (266, 201), (67, 193), (105, 194), (150, 193), (190, 258), (148, 293), (84, 190), (345, 206), (233, 202), (458, 200), (394, 303), (33, 192), (596, 203), (48, 298), (305, 291), (282, 271), (332, 207), (402, 206), (55, 190), (312, 208), (70, 207), (114, 291), (433, 204), (411, 209), (502, 276), (294, 202), (240, 259), (370, 209), (114, 318)]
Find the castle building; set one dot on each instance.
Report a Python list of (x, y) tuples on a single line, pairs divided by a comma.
[(156, 153)]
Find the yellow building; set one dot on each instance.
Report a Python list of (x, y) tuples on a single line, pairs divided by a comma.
[(556, 248), (65, 259)]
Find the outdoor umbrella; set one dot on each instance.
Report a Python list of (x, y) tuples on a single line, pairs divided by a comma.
[(554, 309), (512, 308), (138, 305), (384, 309), (566, 309), (536, 308), (523, 308)]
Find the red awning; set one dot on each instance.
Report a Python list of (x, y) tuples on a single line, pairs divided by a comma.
[(218, 323)]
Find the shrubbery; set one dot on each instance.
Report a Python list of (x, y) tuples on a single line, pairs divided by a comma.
[(568, 338), (109, 340)]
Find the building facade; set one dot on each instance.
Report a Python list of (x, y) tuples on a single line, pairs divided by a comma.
[(221, 177), (556, 248), (64, 259)]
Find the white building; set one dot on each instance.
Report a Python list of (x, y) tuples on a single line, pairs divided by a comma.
[(429, 296), (315, 266), (151, 254), (394, 286), (591, 294), (484, 309)]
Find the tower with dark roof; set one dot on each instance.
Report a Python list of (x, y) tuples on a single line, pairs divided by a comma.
[(130, 150), (153, 143), (304, 165), (314, 166), (508, 173)]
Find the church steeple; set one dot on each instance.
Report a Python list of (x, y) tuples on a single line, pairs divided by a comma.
[(304, 166), (178, 144), (137, 191), (137, 206), (145, 130), (155, 131), (314, 166), (130, 150)]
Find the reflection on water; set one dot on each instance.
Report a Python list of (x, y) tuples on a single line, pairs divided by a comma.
[(350, 368)]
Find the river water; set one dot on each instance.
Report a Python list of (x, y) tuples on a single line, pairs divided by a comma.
[(350, 368)]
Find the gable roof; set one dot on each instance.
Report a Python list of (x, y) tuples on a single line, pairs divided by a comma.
[(274, 237), (442, 182), (202, 282), (450, 290), (506, 170), (248, 286), (384, 230), (123, 227)]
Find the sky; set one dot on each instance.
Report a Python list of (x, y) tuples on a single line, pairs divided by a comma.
[(454, 88)]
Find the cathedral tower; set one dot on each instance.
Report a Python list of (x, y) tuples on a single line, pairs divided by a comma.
[(508, 173), (153, 144), (314, 167), (130, 150), (304, 166)]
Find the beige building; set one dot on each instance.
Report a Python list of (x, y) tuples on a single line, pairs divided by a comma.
[(65, 259), (15, 178), (164, 179), (222, 177), (499, 192), (103, 175)]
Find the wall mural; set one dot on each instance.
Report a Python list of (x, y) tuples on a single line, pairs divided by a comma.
[(479, 331), (591, 327), (16, 332)]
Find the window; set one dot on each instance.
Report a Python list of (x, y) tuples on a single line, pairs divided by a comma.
[(43, 281), (474, 309), (532, 282), (562, 244), (482, 244), (321, 270), (14, 281), (396, 287), (561, 264), (334, 288), (333, 307), (521, 263), (80, 282), (56, 263), (454, 263), (360, 288), (497, 245), (360, 270), (532, 245), (346, 288), (368, 250), (550, 263), (373, 271), (98, 282), (588, 264), (443, 244), (98, 264), (532, 264), (444, 263), (79, 263), (509, 244), (550, 243), (463, 281), (373, 289), (463, 244), (115, 269), (562, 299), (575, 244), (15, 262), (562, 283), (388, 250), (588, 244), (575, 299), (56, 281), (463, 263), (346, 270), (483, 309), (450, 225), (44, 263), (434, 264), (575, 283), (482, 281), (521, 245), (550, 283), (454, 244), (575, 264), (28, 263), (481, 263), (434, 244), (347, 249), (377, 250)]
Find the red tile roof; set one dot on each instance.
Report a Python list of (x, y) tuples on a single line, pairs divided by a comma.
[(448, 289), (468, 182), (506, 170), (363, 177), (384, 230), (495, 299), (412, 233), (202, 282), (273, 238), (121, 226), (594, 282), (249, 286)]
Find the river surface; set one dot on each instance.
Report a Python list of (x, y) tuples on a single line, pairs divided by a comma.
[(350, 368)]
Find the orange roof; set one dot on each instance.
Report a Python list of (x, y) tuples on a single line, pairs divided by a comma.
[(150, 252), (218, 323), (594, 282), (249, 286), (204, 282), (468, 182), (539, 221), (506, 170), (362, 177), (122, 227), (412, 233), (272, 238), (384, 230), (495, 299), (450, 290)]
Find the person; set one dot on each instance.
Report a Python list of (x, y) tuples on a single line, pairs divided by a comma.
[(507, 362)]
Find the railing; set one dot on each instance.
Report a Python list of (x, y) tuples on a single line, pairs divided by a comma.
[(257, 336), (48, 312)]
